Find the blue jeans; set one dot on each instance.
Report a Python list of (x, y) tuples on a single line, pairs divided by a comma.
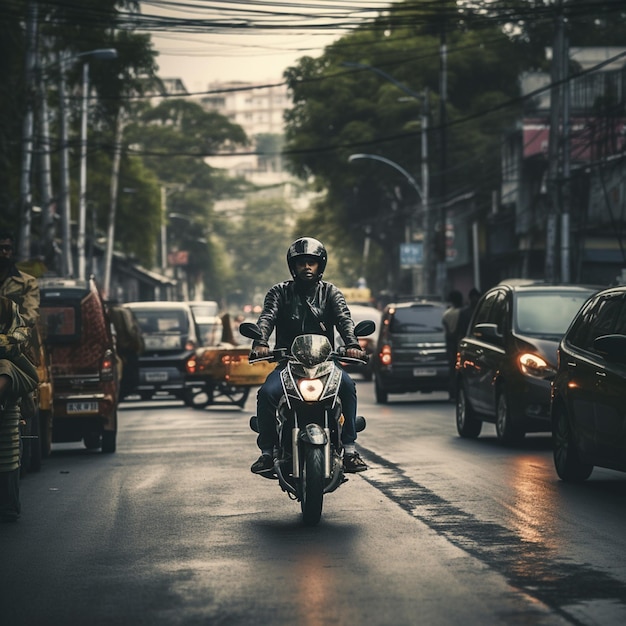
[(269, 396)]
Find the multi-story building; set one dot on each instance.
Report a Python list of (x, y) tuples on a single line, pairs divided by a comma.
[(259, 109), (560, 212)]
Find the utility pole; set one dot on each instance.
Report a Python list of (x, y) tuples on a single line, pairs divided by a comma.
[(47, 215), (67, 265), (113, 199), (551, 273), (27, 135), (566, 195), (443, 121)]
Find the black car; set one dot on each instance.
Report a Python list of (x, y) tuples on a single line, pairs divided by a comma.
[(507, 360), (411, 350), (170, 338), (589, 390)]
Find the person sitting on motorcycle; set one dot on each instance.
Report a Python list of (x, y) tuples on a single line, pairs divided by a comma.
[(18, 377), (306, 304)]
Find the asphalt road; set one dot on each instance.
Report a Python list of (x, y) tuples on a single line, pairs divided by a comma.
[(173, 529)]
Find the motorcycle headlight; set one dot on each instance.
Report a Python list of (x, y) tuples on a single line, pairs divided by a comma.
[(310, 389), (534, 365)]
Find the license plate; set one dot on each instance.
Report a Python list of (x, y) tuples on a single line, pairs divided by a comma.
[(419, 371), (82, 407), (156, 377)]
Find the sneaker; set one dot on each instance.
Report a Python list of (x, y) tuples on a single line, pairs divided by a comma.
[(263, 464), (353, 463)]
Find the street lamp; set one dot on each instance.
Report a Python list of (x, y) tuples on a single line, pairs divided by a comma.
[(424, 191), (104, 54)]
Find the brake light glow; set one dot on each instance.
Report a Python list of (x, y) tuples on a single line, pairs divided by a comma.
[(385, 355), (192, 365), (107, 366)]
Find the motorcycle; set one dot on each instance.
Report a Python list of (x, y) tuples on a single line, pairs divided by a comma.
[(308, 461)]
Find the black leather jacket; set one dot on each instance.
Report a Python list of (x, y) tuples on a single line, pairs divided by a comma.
[(292, 312)]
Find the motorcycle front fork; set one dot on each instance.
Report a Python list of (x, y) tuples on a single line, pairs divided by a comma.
[(295, 447)]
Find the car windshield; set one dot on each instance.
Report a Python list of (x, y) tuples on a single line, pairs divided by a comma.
[(417, 319), (547, 313), (164, 321)]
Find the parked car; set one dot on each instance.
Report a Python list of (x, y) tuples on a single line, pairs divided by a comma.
[(170, 342), (84, 364), (359, 313), (588, 408), (411, 350), (507, 360)]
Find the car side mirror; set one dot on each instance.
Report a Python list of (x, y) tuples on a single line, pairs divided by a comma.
[(488, 332), (612, 348)]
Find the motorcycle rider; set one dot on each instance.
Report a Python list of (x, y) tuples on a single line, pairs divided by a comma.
[(306, 304), (18, 377)]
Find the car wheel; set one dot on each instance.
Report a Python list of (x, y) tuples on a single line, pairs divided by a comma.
[(197, 398), (467, 424), (507, 431), (45, 433), (567, 462), (109, 441), (381, 394)]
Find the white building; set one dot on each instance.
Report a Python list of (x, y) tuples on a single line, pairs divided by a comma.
[(259, 109)]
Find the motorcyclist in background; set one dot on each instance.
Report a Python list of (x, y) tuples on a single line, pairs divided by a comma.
[(306, 304)]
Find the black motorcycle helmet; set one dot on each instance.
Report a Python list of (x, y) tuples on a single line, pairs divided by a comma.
[(307, 246)]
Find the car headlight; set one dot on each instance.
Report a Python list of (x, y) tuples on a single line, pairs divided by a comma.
[(535, 365), (310, 389)]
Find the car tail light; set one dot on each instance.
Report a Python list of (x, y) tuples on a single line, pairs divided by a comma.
[(107, 366), (232, 359), (192, 365), (385, 355)]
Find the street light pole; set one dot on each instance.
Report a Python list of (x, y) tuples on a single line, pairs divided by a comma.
[(105, 54), (424, 192)]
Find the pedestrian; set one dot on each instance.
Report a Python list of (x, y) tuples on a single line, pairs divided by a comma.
[(450, 321), (16, 285), (465, 315), (306, 304), (18, 377)]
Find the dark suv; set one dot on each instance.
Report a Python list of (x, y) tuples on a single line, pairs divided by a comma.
[(507, 360), (411, 350)]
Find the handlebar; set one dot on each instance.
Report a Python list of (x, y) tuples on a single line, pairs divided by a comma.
[(281, 354)]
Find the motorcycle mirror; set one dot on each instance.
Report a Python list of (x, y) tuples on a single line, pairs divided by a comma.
[(364, 328), (251, 331)]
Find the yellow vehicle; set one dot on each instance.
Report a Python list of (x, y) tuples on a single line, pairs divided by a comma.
[(223, 371), (36, 421)]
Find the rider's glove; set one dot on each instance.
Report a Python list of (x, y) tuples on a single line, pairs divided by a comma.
[(259, 352), (356, 353)]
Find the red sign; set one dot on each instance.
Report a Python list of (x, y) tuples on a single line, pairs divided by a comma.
[(178, 257)]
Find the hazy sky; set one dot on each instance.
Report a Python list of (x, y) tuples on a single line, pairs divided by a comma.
[(251, 41)]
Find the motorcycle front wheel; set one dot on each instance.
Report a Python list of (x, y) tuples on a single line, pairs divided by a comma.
[(312, 483)]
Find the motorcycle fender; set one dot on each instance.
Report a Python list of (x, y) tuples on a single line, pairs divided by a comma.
[(314, 435)]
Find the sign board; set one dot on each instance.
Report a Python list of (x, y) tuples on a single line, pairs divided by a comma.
[(411, 254), (178, 257)]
